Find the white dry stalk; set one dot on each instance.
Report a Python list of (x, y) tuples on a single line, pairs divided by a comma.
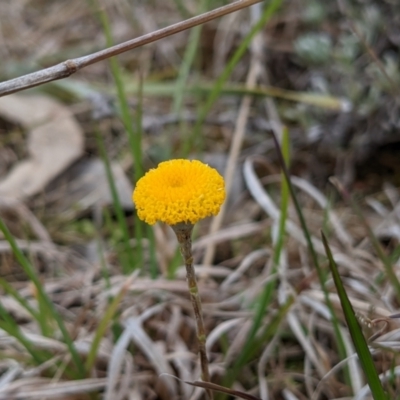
[(41, 247), (366, 390), (118, 356), (41, 342), (360, 306), (39, 388), (231, 233), (117, 386), (305, 342), (182, 365), (322, 201), (261, 367), (238, 137), (249, 293), (238, 342), (27, 215), (261, 196), (246, 263), (356, 376), (221, 329), (126, 379), (288, 395), (14, 370), (224, 40), (153, 352), (213, 272), (307, 376)]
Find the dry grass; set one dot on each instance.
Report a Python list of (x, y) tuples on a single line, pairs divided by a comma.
[(153, 334)]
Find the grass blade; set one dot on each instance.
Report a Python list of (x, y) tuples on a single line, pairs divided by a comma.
[(127, 261), (108, 316), (134, 137), (31, 273), (321, 274), (21, 300), (256, 344), (187, 61), (385, 259), (266, 296), (8, 324), (269, 11), (357, 336)]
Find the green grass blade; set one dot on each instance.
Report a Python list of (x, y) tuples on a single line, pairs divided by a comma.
[(101, 329), (257, 344), (31, 273), (266, 296), (154, 272), (385, 259), (24, 303), (181, 7), (79, 90), (184, 70), (44, 317), (8, 324), (129, 264), (128, 121), (321, 274), (187, 61), (357, 336), (253, 345), (284, 199), (268, 12)]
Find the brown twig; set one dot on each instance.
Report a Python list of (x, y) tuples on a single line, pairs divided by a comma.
[(183, 233), (69, 67)]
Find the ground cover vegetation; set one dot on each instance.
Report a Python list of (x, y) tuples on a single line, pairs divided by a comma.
[(296, 104)]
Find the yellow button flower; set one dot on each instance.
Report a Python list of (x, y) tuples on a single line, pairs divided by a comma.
[(179, 191)]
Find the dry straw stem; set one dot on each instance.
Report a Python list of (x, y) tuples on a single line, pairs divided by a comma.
[(183, 233), (238, 137), (69, 67)]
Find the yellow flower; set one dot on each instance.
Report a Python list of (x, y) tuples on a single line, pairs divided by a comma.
[(179, 191)]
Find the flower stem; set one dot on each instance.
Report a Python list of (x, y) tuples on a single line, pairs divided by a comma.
[(183, 233)]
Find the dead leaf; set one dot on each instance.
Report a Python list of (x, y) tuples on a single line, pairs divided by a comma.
[(54, 141), (88, 187)]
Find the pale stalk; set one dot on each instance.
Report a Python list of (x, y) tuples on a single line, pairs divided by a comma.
[(183, 233), (69, 67)]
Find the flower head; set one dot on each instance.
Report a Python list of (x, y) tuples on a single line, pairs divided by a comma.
[(179, 191)]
